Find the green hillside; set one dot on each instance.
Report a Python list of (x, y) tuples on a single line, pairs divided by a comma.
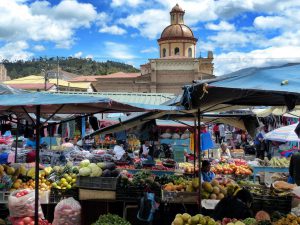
[(73, 65)]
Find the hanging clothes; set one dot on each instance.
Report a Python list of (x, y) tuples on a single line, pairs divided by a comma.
[(206, 141)]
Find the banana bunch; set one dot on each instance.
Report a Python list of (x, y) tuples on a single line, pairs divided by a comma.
[(279, 162)]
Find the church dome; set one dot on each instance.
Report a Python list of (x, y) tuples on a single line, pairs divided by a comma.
[(177, 31), (177, 8)]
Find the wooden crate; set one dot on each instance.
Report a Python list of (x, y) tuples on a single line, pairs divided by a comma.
[(179, 197), (86, 194)]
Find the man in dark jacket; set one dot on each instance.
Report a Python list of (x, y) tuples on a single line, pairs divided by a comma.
[(294, 168), (236, 206)]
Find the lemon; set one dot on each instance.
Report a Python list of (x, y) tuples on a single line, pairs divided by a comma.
[(69, 186), (69, 179), (63, 180)]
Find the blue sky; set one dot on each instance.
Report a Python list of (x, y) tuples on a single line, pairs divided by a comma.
[(241, 33)]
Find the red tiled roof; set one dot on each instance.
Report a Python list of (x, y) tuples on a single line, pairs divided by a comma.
[(31, 86), (113, 75)]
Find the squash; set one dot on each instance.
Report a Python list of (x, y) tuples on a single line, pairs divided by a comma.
[(262, 216)]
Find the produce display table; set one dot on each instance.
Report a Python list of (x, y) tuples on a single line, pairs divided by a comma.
[(268, 169), (155, 172)]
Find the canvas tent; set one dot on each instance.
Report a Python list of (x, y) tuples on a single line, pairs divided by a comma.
[(269, 86)]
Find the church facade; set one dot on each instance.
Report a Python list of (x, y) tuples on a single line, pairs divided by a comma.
[(176, 66)]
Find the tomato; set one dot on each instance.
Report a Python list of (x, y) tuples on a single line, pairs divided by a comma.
[(27, 220)]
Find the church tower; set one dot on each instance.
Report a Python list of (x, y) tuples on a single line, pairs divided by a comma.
[(177, 39)]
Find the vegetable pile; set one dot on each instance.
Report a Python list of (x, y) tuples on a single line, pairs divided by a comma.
[(110, 219)]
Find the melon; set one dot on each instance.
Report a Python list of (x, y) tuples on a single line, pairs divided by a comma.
[(262, 216)]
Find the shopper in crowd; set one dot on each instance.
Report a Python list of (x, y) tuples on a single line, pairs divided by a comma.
[(206, 174), (67, 143), (119, 150), (30, 142), (260, 144), (216, 133), (235, 206), (146, 150), (223, 152), (294, 169), (222, 133)]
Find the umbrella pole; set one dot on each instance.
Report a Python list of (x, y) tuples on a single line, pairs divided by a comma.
[(37, 163), (17, 137), (195, 145), (199, 158)]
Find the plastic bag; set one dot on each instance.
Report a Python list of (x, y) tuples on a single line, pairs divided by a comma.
[(67, 212), (22, 206)]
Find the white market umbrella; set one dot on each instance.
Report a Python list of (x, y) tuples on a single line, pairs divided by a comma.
[(283, 134)]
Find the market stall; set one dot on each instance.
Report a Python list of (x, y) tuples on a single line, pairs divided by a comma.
[(51, 104), (222, 93)]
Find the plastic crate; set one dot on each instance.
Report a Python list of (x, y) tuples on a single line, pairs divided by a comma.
[(270, 203), (4, 196), (99, 183), (57, 195)]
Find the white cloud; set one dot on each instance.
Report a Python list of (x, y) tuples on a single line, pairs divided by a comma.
[(270, 22), (118, 51), (89, 57), (149, 50), (230, 62), (150, 23), (222, 26), (227, 40), (114, 29), (15, 51), (78, 54), (131, 3), (39, 48), (42, 21)]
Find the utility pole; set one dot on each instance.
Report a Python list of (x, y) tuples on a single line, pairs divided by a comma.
[(45, 75), (57, 88)]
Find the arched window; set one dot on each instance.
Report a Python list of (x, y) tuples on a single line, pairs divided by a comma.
[(164, 53), (176, 51), (190, 52)]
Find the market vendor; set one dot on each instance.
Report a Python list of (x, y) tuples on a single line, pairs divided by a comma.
[(30, 142), (146, 150), (235, 206), (67, 143), (223, 152), (206, 174), (294, 169), (119, 150)]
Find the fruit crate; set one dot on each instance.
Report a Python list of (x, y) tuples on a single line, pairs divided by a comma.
[(4, 197), (99, 183), (56, 195), (272, 203), (179, 197)]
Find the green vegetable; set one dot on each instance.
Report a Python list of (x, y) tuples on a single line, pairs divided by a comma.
[(110, 219), (96, 171), (85, 171), (84, 163), (249, 221), (264, 222)]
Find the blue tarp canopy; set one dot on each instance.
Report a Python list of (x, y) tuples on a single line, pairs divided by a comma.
[(268, 86), (66, 104)]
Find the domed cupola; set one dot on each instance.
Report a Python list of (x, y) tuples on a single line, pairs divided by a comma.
[(177, 39)]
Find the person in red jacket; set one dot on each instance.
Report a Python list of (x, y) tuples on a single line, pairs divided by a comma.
[(216, 132)]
